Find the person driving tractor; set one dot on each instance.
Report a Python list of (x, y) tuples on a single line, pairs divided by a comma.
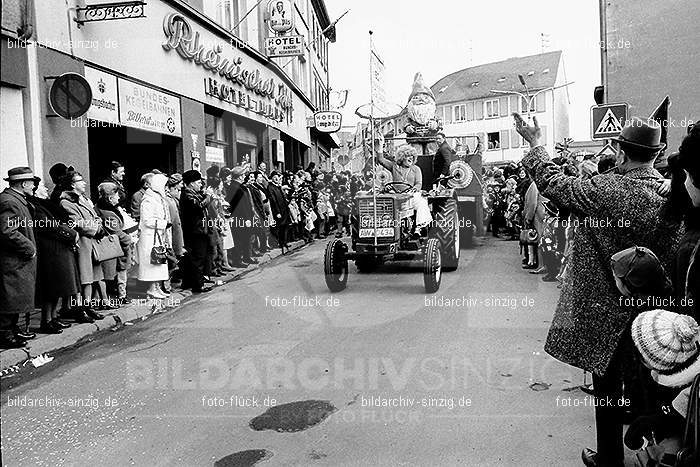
[(404, 171)]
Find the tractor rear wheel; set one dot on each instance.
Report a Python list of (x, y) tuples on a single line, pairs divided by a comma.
[(335, 265), (446, 230)]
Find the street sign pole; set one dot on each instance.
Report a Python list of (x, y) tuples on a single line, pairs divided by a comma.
[(374, 149)]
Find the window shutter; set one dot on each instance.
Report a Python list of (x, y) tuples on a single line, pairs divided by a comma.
[(514, 107), (470, 111), (540, 102), (505, 135), (514, 139), (479, 110), (503, 106)]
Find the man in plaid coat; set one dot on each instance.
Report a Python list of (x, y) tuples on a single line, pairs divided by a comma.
[(590, 328)]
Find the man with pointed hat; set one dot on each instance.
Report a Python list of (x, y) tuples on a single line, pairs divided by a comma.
[(590, 328), (17, 255)]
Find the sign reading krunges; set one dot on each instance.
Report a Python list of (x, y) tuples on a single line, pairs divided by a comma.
[(186, 42), (147, 109)]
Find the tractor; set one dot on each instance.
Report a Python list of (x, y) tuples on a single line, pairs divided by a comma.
[(383, 229)]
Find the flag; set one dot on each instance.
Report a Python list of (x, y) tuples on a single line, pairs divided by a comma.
[(660, 115)]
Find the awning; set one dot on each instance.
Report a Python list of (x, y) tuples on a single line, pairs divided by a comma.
[(330, 140)]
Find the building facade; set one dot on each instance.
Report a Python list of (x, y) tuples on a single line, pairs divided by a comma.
[(468, 107), (186, 85), (648, 51)]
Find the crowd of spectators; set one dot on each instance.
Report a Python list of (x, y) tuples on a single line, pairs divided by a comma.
[(77, 257)]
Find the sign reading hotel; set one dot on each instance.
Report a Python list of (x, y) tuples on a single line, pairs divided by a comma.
[(328, 121), (229, 80), (105, 107), (284, 46), (281, 16), (148, 109)]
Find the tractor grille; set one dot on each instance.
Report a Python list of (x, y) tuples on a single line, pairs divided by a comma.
[(385, 216)]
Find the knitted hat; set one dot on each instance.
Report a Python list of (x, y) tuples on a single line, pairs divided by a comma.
[(668, 343)]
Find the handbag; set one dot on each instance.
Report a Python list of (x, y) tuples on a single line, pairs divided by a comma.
[(159, 253), (675, 452), (106, 248)]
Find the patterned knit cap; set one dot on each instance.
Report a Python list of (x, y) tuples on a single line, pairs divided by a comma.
[(666, 340)]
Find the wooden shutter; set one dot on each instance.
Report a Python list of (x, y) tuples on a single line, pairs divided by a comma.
[(514, 139), (540, 102), (479, 110), (505, 139), (470, 111), (503, 111)]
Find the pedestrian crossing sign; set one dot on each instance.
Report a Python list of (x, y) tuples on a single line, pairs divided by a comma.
[(608, 120)]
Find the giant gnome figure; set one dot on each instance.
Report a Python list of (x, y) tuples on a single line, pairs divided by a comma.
[(423, 125)]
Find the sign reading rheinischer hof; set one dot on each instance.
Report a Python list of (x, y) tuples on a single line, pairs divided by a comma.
[(147, 109)]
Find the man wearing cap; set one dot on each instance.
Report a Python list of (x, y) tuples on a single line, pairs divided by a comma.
[(17, 255), (196, 227), (590, 328)]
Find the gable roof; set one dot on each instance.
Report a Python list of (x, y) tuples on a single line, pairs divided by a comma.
[(501, 75)]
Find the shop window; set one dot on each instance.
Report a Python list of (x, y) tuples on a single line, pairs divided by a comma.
[(494, 140), (492, 108), (214, 128)]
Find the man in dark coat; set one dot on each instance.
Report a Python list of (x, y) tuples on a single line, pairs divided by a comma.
[(196, 226), (116, 176), (17, 256), (241, 205), (443, 158), (280, 208), (591, 327)]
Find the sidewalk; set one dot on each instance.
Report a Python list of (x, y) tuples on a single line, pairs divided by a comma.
[(127, 315)]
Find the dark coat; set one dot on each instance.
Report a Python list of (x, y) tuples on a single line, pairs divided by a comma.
[(442, 160), (135, 206), (17, 254), (194, 215), (241, 206), (278, 204), (589, 320), (57, 268), (176, 228), (686, 278)]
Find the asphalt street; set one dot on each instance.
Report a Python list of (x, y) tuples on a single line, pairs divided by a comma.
[(378, 374)]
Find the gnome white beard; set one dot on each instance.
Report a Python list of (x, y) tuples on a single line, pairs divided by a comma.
[(421, 110)]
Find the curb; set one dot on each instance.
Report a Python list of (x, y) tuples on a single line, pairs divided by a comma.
[(12, 360)]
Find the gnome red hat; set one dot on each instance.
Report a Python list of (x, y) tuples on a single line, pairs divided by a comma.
[(419, 87)]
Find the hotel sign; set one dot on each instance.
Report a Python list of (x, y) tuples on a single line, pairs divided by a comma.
[(328, 121), (263, 96), (284, 46)]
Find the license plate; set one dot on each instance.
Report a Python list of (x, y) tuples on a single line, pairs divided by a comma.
[(383, 232), (466, 198)]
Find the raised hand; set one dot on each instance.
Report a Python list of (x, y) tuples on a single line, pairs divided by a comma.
[(530, 133)]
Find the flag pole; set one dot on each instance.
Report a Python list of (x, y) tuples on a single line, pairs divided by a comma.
[(372, 130)]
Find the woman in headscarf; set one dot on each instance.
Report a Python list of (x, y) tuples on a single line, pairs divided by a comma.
[(154, 220)]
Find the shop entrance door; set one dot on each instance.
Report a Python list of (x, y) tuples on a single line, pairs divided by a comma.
[(139, 151)]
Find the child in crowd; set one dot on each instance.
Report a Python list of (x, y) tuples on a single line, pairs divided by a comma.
[(638, 273)]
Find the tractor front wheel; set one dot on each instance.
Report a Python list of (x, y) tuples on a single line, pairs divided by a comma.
[(432, 267), (335, 265)]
